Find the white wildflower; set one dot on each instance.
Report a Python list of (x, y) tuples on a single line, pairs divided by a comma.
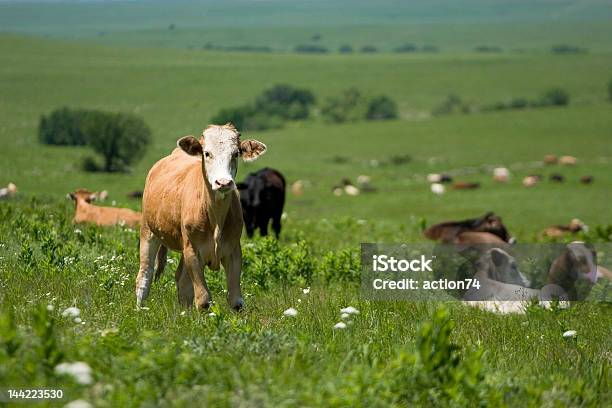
[(79, 370), (306, 290), (71, 312), (78, 404), (340, 326), (291, 312), (344, 315), (78, 320), (183, 313), (212, 314), (50, 307), (349, 310), (570, 334)]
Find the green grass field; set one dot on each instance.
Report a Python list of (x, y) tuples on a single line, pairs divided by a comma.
[(393, 353)]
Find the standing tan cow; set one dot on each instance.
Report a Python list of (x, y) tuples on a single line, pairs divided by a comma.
[(190, 204)]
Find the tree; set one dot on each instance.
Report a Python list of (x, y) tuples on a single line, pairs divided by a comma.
[(555, 97), (285, 101), (348, 107), (63, 127), (381, 108), (120, 138)]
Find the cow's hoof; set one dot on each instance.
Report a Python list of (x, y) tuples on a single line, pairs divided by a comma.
[(237, 305)]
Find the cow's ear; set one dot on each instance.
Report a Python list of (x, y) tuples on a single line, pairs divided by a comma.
[(251, 149), (70, 196), (92, 197), (190, 145), (499, 257), (241, 186)]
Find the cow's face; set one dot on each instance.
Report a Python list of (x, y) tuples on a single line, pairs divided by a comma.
[(503, 268), (220, 147), (82, 194)]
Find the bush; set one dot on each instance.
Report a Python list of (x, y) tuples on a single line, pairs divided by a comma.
[(567, 49), (487, 48), (285, 101), (237, 116), (610, 90), (555, 97), (310, 49), (407, 48), (120, 138), (63, 127), (349, 106), (451, 104), (368, 49), (429, 48), (381, 108), (345, 49)]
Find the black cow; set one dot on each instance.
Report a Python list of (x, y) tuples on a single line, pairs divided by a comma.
[(262, 195)]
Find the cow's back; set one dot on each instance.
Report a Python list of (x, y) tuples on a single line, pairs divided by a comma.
[(164, 193)]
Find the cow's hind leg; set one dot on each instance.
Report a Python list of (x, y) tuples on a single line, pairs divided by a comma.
[(149, 245), (160, 261), (184, 287), (276, 224)]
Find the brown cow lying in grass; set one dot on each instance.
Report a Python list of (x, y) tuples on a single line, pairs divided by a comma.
[(558, 231), (190, 204), (103, 216), (488, 229)]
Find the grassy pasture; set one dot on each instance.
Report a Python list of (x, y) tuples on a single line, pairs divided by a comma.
[(177, 91), (169, 356)]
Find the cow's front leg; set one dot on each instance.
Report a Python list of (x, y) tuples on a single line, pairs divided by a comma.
[(232, 265), (184, 287), (196, 274)]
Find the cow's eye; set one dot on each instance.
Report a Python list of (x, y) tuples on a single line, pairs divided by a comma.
[(207, 155)]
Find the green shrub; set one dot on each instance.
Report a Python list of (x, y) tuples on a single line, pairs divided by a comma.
[(350, 106), (120, 138), (310, 49), (555, 97), (63, 127), (407, 48), (381, 108), (285, 101), (369, 49), (345, 49), (610, 90)]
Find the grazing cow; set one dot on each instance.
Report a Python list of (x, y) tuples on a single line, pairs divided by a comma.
[(501, 174), (103, 216), (586, 179), (448, 232), (439, 178), (503, 288), (465, 185), (567, 160), (191, 205), (297, 188), (557, 231), (137, 194), (262, 195), (557, 178), (550, 159), (8, 191), (531, 181), (577, 262), (345, 186), (437, 188)]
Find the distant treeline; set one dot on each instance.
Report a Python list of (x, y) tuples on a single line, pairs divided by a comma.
[(454, 104), (371, 49), (282, 103)]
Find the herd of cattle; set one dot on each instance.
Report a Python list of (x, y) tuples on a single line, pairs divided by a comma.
[(503, 174), (192, 204), (486, 242)]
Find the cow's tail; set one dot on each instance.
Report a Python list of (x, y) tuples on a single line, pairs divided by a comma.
[(160, 261)]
